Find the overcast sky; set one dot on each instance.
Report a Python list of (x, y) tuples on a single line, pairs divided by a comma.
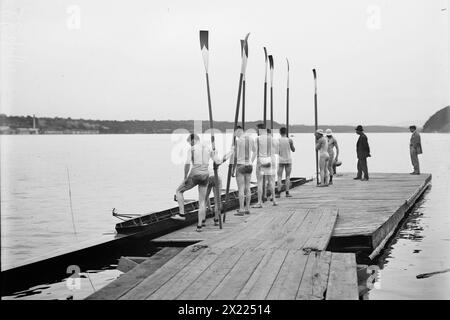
[(378, 61)]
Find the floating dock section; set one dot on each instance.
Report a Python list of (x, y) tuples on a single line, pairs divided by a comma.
[(304, 248)]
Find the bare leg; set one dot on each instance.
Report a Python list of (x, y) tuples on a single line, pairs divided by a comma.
[(272, 187), (260, 180), (240, 179), (180, 199), (288, 177), (322, 165), (201, 204), (280, 175), (208, 192), (330, 167), (248, 194), (326, 172)]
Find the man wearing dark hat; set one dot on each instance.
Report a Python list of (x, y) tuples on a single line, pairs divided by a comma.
[(363, 152), (415, 148)]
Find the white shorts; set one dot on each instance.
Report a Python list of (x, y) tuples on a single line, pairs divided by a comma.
[(265, 171)]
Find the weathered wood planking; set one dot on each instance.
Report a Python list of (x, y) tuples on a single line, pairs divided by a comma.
[(129, 280), (156, 280), (342, 283), (369, 209), (262, 256), (250, 262), (257, 275)]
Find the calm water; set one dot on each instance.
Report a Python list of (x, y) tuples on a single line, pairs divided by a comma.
[(139, 173)]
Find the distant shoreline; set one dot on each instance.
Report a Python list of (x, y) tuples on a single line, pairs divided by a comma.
[(45, 125)]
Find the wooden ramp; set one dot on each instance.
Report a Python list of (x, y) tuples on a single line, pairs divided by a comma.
[(279, 255)]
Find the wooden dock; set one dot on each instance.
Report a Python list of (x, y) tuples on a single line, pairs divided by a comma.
[(279, 252), (369, 212)]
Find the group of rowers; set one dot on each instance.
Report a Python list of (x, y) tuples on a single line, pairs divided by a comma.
[(273, 157)]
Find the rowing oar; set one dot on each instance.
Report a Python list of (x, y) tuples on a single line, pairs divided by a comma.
[(265, 90), (265, 114), (287, 100), (243, 89), (271, 93), (236, 119), (315, 123), (204, 46)]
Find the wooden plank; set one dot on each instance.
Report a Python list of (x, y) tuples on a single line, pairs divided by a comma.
[(342, 282), (236, 279), (261, 281), (272, 233), (129, 280), (190, 273), (125, 264), (315, 277), (305, 230), (164, 274), (211, 277), (286, 234), (320, 238), (287, 282)]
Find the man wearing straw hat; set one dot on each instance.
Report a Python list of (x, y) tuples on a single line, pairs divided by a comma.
[(332, 143), (322, 148)]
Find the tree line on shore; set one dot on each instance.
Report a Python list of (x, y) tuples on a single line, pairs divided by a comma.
[(46, 124)]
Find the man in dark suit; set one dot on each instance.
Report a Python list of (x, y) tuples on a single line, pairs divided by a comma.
[(363, 152), (415, 148)]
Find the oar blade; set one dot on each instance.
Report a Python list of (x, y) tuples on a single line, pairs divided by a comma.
[(204, 46), (204, 39), (244, 53)]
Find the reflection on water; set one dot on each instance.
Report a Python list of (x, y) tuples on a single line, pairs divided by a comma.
[(415, 263), (85, 282), (89, 282)]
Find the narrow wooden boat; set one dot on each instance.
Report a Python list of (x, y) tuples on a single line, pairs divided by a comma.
[(159, 223)]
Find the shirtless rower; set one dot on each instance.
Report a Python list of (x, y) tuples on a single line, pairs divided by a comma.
[(284, 148), (245, 156), (332, 143), (322, 148), (211, 186), (196, 173), (265, 164)]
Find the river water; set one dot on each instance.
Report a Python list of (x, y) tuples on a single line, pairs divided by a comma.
[(139, 173)]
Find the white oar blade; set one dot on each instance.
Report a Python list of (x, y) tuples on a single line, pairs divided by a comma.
[(315, 79), (204, 46), (244, 53), (271, 69), (267, 62), (287, 72)]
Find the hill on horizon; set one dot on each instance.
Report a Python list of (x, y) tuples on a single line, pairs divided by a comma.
[(438, 122)]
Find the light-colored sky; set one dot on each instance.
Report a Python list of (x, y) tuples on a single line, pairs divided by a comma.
[(378, 61)]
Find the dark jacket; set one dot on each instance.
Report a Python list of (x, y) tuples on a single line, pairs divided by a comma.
[(415, 142), (362, 147)]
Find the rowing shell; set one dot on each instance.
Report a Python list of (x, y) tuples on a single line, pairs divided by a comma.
[(160, 223)]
